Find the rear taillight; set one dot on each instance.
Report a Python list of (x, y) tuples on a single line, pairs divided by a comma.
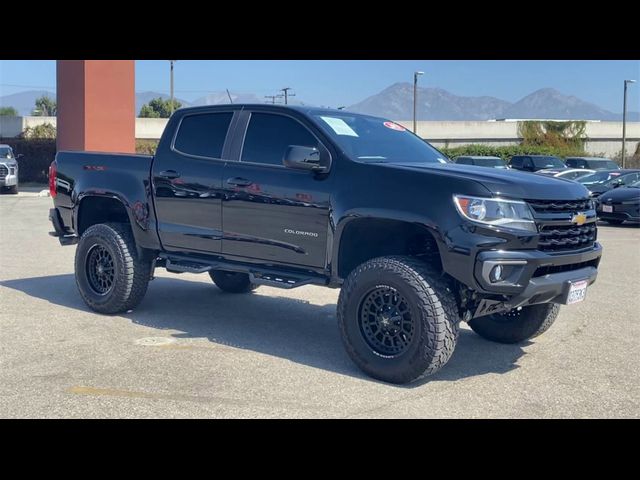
[(53, 171)]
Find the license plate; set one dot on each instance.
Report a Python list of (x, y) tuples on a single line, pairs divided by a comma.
[(607, 208), (577, 292)]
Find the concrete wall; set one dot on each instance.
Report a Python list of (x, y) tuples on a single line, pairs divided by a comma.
[(150, 128), (605, 138)]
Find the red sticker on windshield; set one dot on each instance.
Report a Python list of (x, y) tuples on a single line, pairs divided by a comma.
[(394, 126)]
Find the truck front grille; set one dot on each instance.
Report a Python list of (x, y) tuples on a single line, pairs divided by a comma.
[(566, 237), (558, 226), (561, 206), (4, 171)]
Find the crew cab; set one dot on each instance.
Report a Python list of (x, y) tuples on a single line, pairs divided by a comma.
[(289, 196)]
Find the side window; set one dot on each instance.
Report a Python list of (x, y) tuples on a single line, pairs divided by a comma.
[(581, 164), (571, 163), (629, 179), (203, 134), (516, 162), (269, 135), (464, 161)]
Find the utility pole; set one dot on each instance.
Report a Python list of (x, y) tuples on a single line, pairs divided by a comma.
[(624, 120), (272, 98), (415, 100), (287, 94), (171, 88)]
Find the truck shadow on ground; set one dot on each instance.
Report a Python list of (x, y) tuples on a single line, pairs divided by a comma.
[(274, 325)]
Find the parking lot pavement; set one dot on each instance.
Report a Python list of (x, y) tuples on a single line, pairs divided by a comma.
[(190, 350)]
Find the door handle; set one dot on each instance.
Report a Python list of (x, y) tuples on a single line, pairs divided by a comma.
[(170, 174), (239, 182)]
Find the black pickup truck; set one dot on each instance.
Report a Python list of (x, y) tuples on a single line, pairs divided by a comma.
[(286, 196)]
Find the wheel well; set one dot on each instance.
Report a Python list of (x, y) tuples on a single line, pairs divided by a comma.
[(367, 238), (94, 210)]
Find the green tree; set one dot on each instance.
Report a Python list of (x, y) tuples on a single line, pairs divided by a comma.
[(46, 130), (45, 107), (159, 108), (8, 112)]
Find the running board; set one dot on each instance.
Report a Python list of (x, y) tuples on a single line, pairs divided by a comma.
[(258, 275)]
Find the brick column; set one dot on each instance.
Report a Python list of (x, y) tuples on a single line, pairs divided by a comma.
[(96, 105)]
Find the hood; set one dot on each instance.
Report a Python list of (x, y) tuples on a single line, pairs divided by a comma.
[(620, 194), (504, 183)]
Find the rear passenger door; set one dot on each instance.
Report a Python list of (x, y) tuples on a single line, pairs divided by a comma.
[(272, 212), (187, 183)]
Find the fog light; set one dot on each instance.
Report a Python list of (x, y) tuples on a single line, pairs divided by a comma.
[(496, 274)]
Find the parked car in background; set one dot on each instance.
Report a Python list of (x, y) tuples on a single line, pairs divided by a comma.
[(8, 170), (534, 163), (620, 205), (605, 180), (592, 163), (569, 174), (480, 161)]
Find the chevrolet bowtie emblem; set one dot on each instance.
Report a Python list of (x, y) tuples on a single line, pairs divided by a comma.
[(579, 218)]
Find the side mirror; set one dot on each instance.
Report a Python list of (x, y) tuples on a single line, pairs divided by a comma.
[(617, 183), (306, 158)]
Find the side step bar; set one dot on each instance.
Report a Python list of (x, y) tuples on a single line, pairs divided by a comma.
[(258, 275)]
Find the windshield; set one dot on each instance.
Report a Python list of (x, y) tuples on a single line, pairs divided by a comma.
[(635, 184), (6, 152), (597, 178), (490, 162), (548, 162), (608, 164), (374, 140)]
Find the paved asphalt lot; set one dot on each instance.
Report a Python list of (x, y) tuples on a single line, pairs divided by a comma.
[(190, 350)]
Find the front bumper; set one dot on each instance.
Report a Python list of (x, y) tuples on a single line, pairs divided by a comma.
[(552, 288), (525, 265), (9, 180), (531, 277), (621, 211)]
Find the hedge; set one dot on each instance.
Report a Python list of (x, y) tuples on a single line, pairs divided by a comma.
[(508, 151), (37, 156)]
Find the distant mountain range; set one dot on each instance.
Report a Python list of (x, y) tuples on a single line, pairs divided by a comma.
[(396, 102)]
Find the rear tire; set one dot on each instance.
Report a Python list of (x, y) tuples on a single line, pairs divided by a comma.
[(232, 282), (517, 325), (398, 318), (110, 275)]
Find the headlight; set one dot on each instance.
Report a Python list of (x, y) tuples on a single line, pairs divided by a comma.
[(496, 212)]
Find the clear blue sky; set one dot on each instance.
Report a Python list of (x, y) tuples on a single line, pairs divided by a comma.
[(336, 83)]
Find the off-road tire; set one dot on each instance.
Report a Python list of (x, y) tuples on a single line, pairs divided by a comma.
[(232, 282), (434, 315), (131, 273), (517, 325)]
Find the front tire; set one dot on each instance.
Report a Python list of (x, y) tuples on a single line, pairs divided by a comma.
[(517, 325), (232, 282), (110, 275), (398, 318), (13, 190)]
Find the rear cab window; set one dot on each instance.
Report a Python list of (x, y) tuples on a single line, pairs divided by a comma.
[(203, 134)]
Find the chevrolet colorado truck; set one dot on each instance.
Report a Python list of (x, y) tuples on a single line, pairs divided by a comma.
[(289, 196)]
